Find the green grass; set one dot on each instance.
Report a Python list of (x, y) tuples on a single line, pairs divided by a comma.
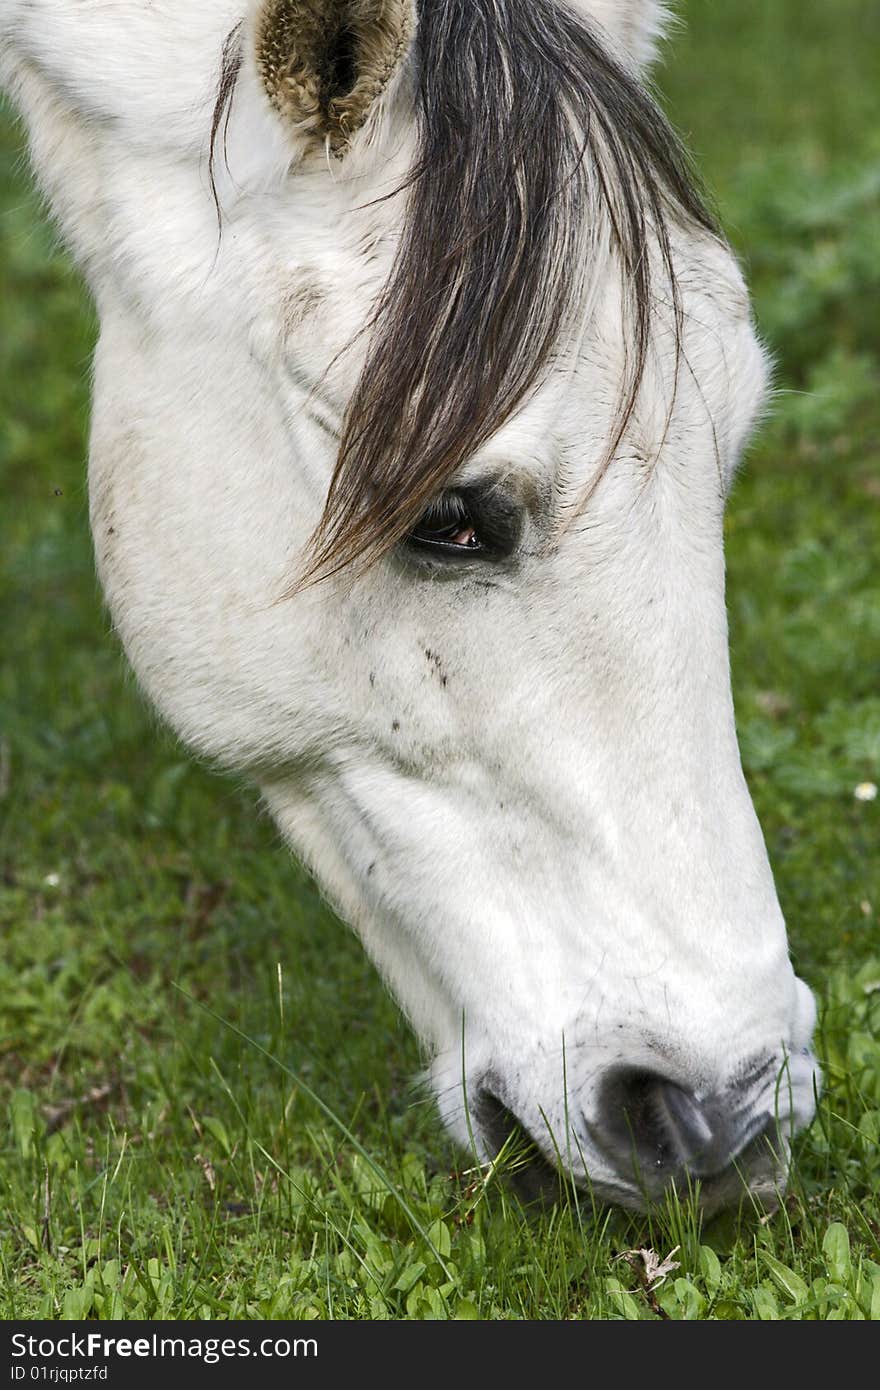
[(173, 993)]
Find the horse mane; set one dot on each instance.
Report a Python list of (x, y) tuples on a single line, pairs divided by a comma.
[(530, 133)]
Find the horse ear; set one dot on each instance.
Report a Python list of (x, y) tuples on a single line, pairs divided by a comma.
[(325, 63), (635, 27)]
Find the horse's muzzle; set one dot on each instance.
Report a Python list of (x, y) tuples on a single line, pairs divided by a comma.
[(648, 1134)]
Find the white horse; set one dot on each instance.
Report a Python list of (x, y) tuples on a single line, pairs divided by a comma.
[(422, 376)]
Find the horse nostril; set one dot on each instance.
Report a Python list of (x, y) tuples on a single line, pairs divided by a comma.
[(688, 1127), (652, 1124), (531, 1176)]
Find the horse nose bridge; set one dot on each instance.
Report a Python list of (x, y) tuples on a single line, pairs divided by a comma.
[(652, 1125)]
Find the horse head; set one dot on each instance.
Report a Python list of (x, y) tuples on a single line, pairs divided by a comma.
[(423, 373)]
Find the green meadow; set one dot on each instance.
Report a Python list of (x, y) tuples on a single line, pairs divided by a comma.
[(209, 1105)]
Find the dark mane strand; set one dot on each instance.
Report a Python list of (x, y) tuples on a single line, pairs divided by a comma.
[(230, 67), (529, 133)]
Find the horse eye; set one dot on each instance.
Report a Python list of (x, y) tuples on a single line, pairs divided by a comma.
[(472, 523), (448, 527)]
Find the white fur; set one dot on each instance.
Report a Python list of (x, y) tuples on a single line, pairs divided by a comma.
[(526, 797), (634, 28)]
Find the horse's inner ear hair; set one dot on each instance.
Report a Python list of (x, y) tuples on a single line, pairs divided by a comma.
[(324, 63)]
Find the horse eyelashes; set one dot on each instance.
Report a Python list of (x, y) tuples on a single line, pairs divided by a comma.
[(446, 512)]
